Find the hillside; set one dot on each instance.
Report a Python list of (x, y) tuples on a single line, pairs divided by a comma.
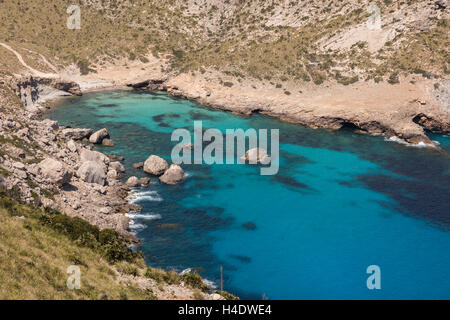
[(303, 40), (39, 245)]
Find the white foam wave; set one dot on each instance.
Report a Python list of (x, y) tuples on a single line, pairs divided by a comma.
[(137, 226), (416, 145), (141, 216), (139, 196)]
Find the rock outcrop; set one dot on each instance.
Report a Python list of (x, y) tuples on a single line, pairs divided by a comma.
[(155, 165), (76, 133), (54, 171), (173, 175)]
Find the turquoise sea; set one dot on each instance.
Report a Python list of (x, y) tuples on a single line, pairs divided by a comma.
[(340, 203)]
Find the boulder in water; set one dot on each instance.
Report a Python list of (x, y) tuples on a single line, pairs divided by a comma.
[(145, 181), (98, 136), (256, 155), (132, 182), (155, 165), (173, 175)]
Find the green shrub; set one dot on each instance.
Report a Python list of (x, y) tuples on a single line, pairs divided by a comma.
[(172, 277), (194, 280), (155, 274)]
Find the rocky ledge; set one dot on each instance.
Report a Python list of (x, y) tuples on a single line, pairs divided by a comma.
[(405, 111)]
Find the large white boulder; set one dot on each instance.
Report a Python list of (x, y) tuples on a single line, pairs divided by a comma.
[(89, 155), (98, 136), (92, 172), (173, 175), (155, 165), (54, 171), (256, 155)]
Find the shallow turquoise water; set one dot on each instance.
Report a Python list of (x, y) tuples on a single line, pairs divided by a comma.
[(340, 203)]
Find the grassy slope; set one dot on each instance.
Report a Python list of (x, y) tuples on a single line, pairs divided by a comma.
[(34, 259)]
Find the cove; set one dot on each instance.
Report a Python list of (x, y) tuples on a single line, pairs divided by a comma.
[(340, 203)]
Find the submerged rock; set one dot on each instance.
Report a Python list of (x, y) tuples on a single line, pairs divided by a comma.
[(249, 226), (256, 155), (173, 175), (138, 165), (54, 171), (92, 172), (98, 136), (155, 165), (108, 142)]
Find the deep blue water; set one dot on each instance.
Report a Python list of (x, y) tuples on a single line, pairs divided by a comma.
[(340, 203)]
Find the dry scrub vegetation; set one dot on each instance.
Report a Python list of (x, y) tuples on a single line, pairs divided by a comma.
[(274, 40)]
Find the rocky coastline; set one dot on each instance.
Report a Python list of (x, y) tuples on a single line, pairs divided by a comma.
[(94, 191), (419, 109)]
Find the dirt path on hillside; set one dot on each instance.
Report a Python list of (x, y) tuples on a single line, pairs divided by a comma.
[(32, 70)]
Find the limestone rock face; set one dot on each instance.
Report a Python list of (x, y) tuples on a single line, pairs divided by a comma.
[(89, 155), (98, 136), (155, 165), (133, 181), (256, 155), (92, 172), (54, 171), (173, 175), (76, 134)]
